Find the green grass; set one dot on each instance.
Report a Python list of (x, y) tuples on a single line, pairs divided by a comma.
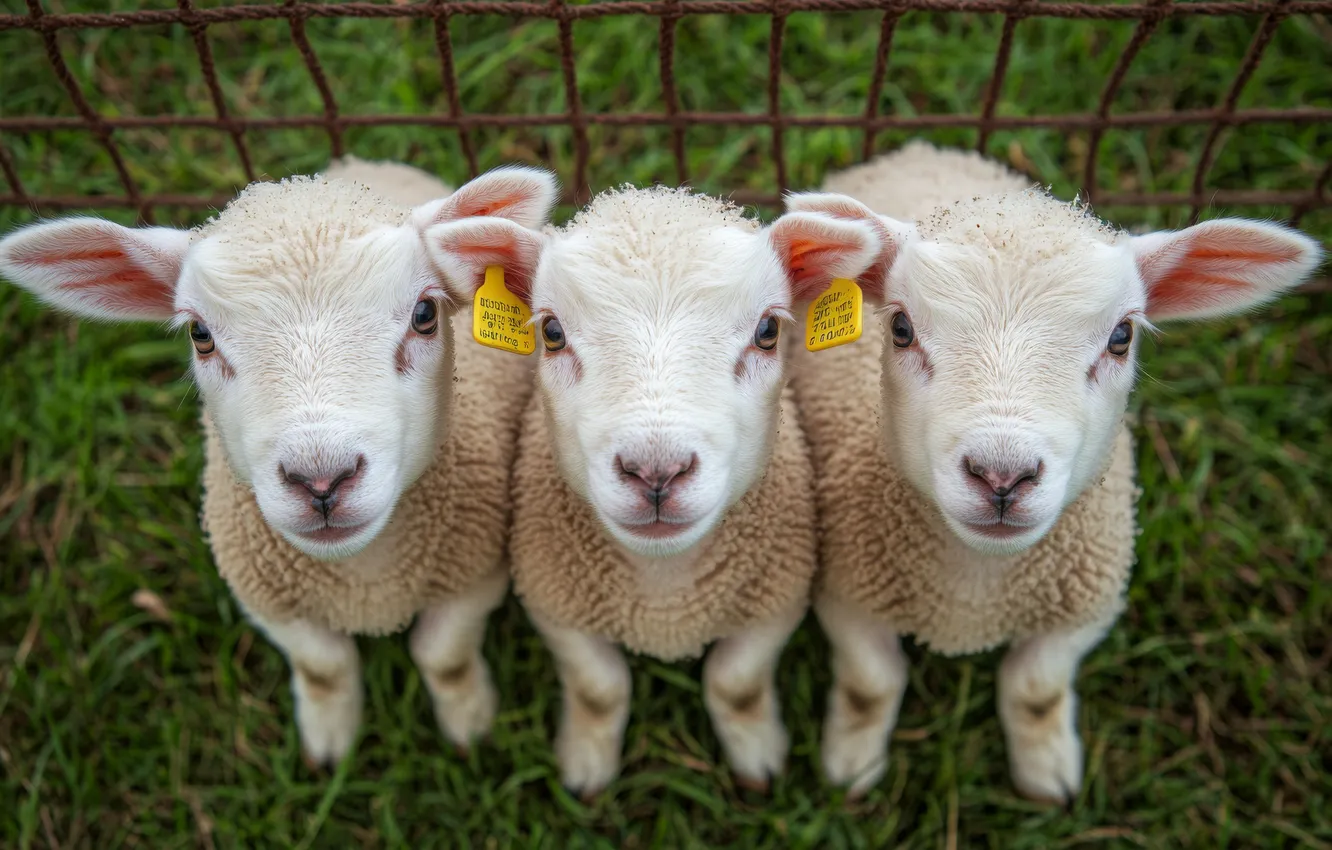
[(1207, 713)]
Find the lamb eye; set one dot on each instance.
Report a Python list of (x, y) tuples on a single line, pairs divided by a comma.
[(903, 333), (1120, 339), (765, 335), (425, 318), (552, 335), (202, 338)]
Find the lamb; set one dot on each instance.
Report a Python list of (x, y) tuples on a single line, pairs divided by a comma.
[(662, 491), (974, 475), (352, 482)]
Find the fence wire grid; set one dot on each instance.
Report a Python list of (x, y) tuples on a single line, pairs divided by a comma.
[(871, 122)]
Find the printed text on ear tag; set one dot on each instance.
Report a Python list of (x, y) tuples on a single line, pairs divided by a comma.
[(499, 318), (834, 317)]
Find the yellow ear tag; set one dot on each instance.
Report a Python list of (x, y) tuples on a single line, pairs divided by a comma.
[(499, 318), (834, 317)]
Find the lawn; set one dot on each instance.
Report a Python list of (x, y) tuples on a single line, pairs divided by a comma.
[(161, 720)]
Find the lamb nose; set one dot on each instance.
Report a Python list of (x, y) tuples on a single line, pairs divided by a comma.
[(654, 479), (323, 489), (1002, 481)]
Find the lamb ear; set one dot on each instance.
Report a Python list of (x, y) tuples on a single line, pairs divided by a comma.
[(829, 203), (464, 249), (516, 192), (814, 249), (892, 234), (1221, 266), (97, 269)]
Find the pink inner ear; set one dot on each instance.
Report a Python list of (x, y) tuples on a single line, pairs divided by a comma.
[(497, 246), (806, 259), (497, 197), (1186, 288), (38, 258), (488, 207), (100, 271), (129, 289), (848, 209), (1216, 268), (811, 253), (1262, 252)]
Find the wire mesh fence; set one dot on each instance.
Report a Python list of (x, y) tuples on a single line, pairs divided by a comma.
[(871, 122)]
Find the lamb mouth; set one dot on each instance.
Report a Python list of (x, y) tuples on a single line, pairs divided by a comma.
[(658, 529), (997, 530), (331, 533)]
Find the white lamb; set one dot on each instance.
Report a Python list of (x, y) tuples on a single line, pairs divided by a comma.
[(662, 493), (352, 481), (975, 479)]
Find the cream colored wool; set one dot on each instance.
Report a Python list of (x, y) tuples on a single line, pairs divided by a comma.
[(757, 565), (883, 546), (448, 529), (400, 183)]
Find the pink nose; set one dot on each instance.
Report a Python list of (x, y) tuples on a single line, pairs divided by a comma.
[(1004, 484), (321, 486), (653, 480)]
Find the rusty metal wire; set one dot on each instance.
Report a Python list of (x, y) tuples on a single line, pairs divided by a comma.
[(444, 44), (1149, 15)]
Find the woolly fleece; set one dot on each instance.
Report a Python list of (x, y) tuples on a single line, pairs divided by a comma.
[(757, 565), (448, 529), (883, 546)]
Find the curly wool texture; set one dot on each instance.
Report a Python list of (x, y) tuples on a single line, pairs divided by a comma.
[(883, 546), (758, 564), (656, 207), (448, 530)]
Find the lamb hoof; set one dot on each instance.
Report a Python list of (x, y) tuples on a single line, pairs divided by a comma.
[(318, 761), (1051, 772), (756, 751), (1063, 800), (328, 732), (588, 765), (857, 792), (468, 718), (587, 795), (854, 764)]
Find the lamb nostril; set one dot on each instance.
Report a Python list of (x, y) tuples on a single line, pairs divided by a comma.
[(655, 480), (688, 466), (323, 490), (1005, 483), (1002, 483), (973, 468), (292, 477), (338, 480), (1032, 474)]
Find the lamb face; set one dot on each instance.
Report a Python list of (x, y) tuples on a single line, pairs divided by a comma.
[(1012, 325), (1000, 374), (661, 314), (323, 349), (326, 355), (661, 369)]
